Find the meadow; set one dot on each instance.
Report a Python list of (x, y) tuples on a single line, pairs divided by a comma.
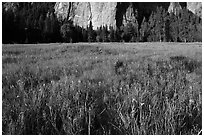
[(102, 89)]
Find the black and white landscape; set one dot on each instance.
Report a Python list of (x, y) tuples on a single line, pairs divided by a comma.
[(102, 68)]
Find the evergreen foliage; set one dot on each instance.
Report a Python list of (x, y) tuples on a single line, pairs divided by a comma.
[(67, 31), (36, 22), (111, 34), (90, 33)]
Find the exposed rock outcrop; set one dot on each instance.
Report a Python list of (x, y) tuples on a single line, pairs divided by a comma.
[(130, 14), (83, 15), (195, 7), (100, 13), (62, 10), (103, 13), (10, 5), (174, 7), (109, 13)]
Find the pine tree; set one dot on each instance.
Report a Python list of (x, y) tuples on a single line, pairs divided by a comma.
[(54, 28), (47, 27), (111, 34), (99, 34), (135, 35), (165, 25), (117, 37), (160, 19), (184, 25), (158, 24), (84, 35), (167, 30), (105, 33), (8, 26), (173, 28), (144, 30), (129, 32), (41, 27), (90, 33), (67, 31), (197, 29)]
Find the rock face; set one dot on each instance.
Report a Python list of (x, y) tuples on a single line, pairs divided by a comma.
[(62, 10), (100, 13), (130, 15), (109, 13), (195, 7), (81, 16), (103, 13), (174, 7), (10, 5)]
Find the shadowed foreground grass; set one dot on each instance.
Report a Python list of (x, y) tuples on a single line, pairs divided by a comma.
[(93, 90)]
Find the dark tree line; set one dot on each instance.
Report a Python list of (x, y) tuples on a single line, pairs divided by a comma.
[(37, 23), (30, 23)]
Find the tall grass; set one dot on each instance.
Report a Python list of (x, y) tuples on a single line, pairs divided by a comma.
[(146, 98)]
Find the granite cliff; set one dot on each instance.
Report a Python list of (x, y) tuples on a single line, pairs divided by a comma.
[(116, 13), (111, 13), (195, 7), (100, 13)]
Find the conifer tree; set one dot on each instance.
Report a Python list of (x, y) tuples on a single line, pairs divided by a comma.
[(105, 33), (84, 35), (99, 34), (67, 31), (143, 30), (117, 37), (111, 34), (41, 27), (47, 28), (197, 29), (8, 26), (158, 24), (184, 25), (90, 33), (173, 28), (135, 34)]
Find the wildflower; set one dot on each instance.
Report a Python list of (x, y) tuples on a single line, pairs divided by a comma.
[(52, 82), (191, 101), (142, 104), (79, 81), (105, 98)]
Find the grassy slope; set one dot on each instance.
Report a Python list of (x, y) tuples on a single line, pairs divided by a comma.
[(143, 88)]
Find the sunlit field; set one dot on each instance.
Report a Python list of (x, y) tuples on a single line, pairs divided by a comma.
[(102, 88)]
